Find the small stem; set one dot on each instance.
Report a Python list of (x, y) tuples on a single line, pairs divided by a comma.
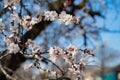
[(54, 65)]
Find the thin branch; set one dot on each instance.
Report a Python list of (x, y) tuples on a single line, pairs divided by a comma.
[(3, 11), (29, 13), (54, 65), (108, 30), (49, 61), (6, 74), (5, 55), (3, 52)]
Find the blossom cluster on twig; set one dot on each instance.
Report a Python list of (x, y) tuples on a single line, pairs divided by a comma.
[(76, 58), (27, 21)]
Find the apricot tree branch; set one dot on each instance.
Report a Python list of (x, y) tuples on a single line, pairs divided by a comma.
[(6, 74)]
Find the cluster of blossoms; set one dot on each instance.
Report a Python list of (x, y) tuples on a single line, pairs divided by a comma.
[(34, 48), (70, 54), (70, 57), (67, 18), (27, 22), (50, 15), (55, 53), (63, 18), (76, 58), (12, 42), (76, 69)]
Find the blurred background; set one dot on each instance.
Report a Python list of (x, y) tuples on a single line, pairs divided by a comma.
[(99, 30)]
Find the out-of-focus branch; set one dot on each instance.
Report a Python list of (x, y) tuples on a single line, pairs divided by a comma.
[(63, 78), (6, 74), (92, 13), (4, 11), (3, 56), (29, 13), (108, 30), (54, 65)]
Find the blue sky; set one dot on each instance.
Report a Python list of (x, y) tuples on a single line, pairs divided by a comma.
[(112, 22)]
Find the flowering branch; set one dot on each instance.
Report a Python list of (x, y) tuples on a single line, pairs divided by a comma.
[(76, 59)]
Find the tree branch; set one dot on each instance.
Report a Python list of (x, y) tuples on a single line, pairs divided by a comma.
[(5, 55), (6, 74)]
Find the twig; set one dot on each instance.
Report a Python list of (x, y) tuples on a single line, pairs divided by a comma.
[(3, 11), (54, 65), (49, 61)]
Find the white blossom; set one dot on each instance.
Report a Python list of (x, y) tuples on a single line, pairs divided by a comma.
[(34, 21), (28, 22), (53, 15), (69, 54), (74, 69), (13, 48), (62, 17), (65, 18), (69, 58), (68, 19), (14, 38), (11, 39), (55, 53), (47, 15), (11, 36), (84, 61), (50, 15), (72, 49)]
